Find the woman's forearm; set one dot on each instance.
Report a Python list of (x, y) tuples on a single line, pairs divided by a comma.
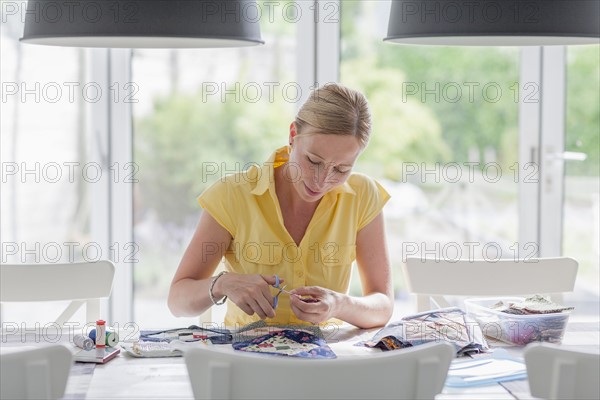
[(189, 297), (365, 312)]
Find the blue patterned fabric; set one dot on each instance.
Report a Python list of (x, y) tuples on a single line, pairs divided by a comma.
[(288, 342)]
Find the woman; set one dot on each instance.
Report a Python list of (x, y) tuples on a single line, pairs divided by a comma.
[(302, 216)]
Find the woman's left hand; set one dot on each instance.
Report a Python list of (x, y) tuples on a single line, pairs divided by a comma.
[(314, 304)]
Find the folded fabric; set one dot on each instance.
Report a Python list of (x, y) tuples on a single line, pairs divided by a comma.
[(218, 335), (447, 324), (288, 342), (532, 305), (190, 334)]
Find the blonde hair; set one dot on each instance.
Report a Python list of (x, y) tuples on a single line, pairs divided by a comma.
[(338, 110)]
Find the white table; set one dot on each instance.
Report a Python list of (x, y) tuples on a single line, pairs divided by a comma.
[(127, 377)]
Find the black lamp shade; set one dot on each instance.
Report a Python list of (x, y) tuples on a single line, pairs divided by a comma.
[(143, 24), (494, 22)]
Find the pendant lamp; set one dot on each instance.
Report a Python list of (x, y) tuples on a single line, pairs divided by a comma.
[(494, 22), (143, 24)]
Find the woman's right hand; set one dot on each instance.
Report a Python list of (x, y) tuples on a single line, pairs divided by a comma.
[(251, 293)]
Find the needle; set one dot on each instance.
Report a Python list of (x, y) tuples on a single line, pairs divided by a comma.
[(287, 292)]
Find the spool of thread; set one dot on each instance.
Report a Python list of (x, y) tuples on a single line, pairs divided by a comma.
[(112, 338), (83, 342), (100, 333)]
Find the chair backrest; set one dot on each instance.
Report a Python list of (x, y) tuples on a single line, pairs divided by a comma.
[(415, 373), (558, 373), (82, 283), (37, 373), (432, 279)]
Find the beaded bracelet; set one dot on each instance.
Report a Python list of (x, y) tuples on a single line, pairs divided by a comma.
[(210, 290)]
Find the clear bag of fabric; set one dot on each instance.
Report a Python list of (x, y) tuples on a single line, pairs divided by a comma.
[(450, 324)]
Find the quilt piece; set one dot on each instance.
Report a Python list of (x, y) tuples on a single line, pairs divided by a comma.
[(288, 342)]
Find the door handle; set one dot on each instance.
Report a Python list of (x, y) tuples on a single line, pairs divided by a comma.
[(566, 156), (552, 160)]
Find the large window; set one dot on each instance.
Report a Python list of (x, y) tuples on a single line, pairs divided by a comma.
[(445, 139), (46, 174), (445, 144), (202, 114)]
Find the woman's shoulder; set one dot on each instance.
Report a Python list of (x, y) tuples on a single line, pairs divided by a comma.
[(371, 197), (362, 182), (366, 187)]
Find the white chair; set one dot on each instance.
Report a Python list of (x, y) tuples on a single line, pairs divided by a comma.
[(79, 282), (558, 373), (38, 373), (433, 279), (414, 373)]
